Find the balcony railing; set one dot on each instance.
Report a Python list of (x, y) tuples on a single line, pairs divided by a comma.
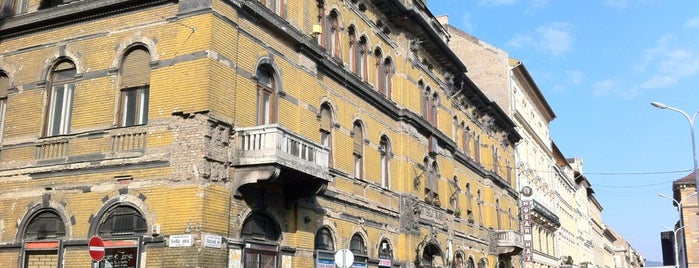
[(273, 144), (509, 241)]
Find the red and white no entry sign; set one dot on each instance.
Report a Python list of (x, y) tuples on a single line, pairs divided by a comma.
[(96, 248)]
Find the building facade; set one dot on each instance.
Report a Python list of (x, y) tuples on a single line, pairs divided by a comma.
[(239, 133), (507, 81), (686, 231)]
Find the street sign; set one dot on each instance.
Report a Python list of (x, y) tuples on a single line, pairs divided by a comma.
[(96, 248), (344, 258)]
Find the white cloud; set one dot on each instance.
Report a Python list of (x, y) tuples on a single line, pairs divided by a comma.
[(554, 39), (692, 23), (668, 62)]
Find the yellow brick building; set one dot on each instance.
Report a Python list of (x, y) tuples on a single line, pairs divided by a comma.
[(240, 133)]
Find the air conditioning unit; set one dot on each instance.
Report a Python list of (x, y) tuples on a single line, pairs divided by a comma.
[(155, 229)]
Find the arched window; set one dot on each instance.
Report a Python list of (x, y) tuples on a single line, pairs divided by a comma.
[(459, 261), (353, 48), (45, 225), (358, 150), (426, 103), (496, 160), (324, 240), (333, 36), (432, 185), (260, 227), (322, 37), (380, 71), (266, 95), (469, 203), (357, 245), (498, 213), (466, 139), (470, 263), (454, 198), (386, 153), (359, 249), (482, 264), (324, 248), (387, 72), (477, 149), (385, 253), (361, 56), (60, 99), (479, 201), (4, 90), (326, 127), (434, 109), (122, 220), (135, 87), (41, 239)]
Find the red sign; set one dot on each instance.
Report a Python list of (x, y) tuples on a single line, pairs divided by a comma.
[(96, 248)]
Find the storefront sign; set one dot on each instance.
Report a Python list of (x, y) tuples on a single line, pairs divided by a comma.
[(121, 257), (528, 253), (384, 263)]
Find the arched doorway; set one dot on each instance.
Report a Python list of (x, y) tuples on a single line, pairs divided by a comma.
[(261, 235)]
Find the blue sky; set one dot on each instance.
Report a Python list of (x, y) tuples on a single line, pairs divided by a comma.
[(599, 64)]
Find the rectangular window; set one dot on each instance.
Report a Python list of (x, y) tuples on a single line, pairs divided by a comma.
[(3, 110), (60, 110), (134, 106), (384, 170), (357, 166), (260, 259), (266, 106)]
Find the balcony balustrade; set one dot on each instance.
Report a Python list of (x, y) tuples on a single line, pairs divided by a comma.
[(274, 155), (509, 242)]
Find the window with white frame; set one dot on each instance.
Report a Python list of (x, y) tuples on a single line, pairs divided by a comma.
[(60, 97)]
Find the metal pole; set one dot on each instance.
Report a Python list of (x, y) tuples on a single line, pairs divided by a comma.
[(681, 223), (694, 146)]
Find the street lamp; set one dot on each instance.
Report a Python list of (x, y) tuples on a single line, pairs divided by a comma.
[(675, 230), (691, 129)]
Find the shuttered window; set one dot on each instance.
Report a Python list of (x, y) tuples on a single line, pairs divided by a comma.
[(358, 148), (135, 88)]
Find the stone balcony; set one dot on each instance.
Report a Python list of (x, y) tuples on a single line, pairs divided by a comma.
[(508, 242), (273, 156)]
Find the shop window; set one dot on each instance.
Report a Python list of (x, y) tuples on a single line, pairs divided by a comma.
[(135, 87)]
